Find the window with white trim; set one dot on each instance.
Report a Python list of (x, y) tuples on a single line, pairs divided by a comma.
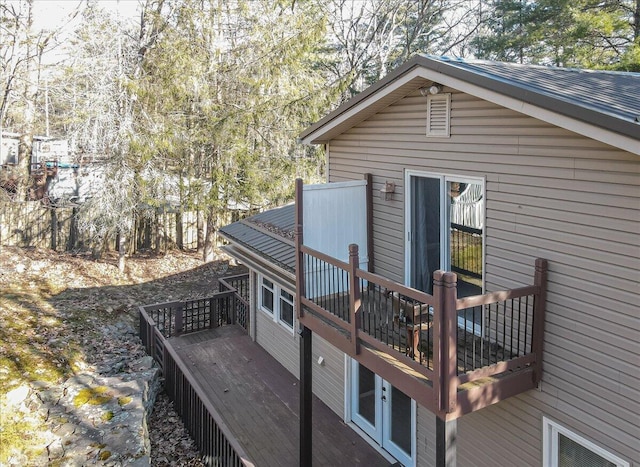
[(277, 302), (267, 289), (563, 448), (286, 308)]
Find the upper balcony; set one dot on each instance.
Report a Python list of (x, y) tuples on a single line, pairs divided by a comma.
[(412, 339)]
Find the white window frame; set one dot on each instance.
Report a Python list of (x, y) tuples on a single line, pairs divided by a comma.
[(445, 179), (277, 290), (273, 292), (281, 299), (550, 443)]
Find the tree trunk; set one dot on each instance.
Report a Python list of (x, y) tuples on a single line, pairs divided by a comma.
[(209, 243), (157, 231), (122, 251), (200, 229), (54, 229), (179, 239)]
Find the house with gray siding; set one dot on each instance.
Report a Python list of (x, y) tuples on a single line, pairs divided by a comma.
[(464, 289)]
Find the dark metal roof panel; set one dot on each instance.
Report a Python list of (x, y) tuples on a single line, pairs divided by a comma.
[(251, 234), (609, 92), (282, 217)]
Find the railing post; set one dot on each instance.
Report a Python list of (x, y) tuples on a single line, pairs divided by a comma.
[(369, 206), (179, 319), (445, 322), (355, 303), (300, 285), (539, 308)]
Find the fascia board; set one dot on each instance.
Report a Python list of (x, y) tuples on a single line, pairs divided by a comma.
[(421, 69), (361, 110)]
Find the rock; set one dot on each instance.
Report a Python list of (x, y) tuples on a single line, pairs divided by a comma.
[(97, 418), (144, 363), (17, 396)]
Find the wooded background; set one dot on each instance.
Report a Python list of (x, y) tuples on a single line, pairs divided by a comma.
[(202, 100)]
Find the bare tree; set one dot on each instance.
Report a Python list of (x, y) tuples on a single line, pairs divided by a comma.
[(21, 66)]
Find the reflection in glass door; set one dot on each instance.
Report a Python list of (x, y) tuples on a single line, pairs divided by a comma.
[(445, 230), (383, 412)]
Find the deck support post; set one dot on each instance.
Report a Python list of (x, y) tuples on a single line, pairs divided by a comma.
[(540, 305), (306, 397), (299, 255), (446, 439)]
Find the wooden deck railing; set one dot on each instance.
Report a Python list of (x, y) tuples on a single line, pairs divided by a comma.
[(422, 330), (207, 428), (160, 322), (229, 306), (240, 285)]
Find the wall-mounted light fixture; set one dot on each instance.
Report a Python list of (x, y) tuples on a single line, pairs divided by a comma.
[(387, 191), (434, 89)]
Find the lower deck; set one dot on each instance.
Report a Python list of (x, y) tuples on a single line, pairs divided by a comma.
[(259, 402)]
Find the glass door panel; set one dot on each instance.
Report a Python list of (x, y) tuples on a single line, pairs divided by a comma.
[(464, 252), (445, 230), (366, 399), (424, 232), (397, 423), (367, 395), (383, 412)]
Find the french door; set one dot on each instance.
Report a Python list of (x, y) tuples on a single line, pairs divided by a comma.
[(383, 412), (444, 218)]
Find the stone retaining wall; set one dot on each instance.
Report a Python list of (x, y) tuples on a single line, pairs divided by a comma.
[(98, 417)]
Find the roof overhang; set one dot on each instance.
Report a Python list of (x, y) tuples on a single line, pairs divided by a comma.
[(420, 70), (260, 264)]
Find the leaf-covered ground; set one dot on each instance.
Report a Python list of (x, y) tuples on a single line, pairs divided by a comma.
[(51, 305)]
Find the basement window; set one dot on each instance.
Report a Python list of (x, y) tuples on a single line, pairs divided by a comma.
[(438, 115), (563, 448)]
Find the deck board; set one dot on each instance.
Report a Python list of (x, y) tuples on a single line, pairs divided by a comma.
[(259, 400)]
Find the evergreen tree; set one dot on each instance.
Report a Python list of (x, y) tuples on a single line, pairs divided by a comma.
[(582, 33)]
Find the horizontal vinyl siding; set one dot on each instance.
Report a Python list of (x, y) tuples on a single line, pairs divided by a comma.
[(328, 378), (426, 438), (551, 194), (283, 345), (279, 341)]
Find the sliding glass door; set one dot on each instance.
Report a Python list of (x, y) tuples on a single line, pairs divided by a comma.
[(445, 230)]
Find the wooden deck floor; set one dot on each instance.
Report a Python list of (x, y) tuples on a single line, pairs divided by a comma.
[(258, 399)]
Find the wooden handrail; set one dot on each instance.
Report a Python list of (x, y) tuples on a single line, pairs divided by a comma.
[(391, 286), (324, 257), (493, 297)]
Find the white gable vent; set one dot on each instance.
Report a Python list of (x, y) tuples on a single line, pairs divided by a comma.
[(438, 109)]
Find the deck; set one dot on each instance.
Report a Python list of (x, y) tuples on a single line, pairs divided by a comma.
[(259, 401)]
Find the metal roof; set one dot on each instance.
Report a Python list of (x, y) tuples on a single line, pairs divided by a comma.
[(269, 234), (608, 99)]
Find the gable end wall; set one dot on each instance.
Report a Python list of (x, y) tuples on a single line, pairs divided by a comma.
[(551, 194)]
